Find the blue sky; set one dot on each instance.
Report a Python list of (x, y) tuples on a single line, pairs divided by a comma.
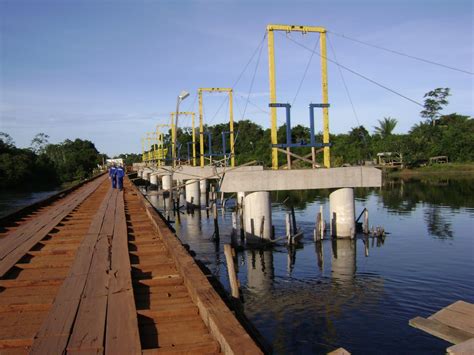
[(109, 71)]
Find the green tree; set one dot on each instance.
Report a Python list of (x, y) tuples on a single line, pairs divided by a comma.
[(73, 160), (6, 141), (434, 102), (39, 143), (385, 127)]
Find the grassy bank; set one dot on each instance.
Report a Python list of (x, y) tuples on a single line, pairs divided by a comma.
[(438, 170)]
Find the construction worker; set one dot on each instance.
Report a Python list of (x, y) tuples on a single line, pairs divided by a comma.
[(120, 173), (112, 174)]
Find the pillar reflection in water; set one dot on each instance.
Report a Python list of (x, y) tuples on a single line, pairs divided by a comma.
[(318, 246), (260, 271), (153, 198), (343, 259), (193, 224)]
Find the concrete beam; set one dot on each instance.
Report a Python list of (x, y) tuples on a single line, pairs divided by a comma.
[(307, 179), (195, 172)]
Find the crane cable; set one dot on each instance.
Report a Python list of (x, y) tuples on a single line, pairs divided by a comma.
[(344, 82), (401, 53), (253, 79), (260, 45), (357, 73)]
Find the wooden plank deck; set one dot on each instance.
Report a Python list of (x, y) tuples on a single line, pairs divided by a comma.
[(454, 323), (98, 271)]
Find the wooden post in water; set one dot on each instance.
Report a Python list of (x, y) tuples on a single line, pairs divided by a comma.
[(262, 227), (323, 227), (365, 226), (317, 228), (216, 223), (241, 216), (288, 228), (234, 283), (293, 220)]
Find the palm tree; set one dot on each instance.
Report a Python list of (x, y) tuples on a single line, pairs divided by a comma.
[(386, 126)]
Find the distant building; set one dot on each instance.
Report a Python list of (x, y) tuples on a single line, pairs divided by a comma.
[(393, 159), (118, 161)]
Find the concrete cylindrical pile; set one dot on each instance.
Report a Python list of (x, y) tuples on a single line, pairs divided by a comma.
[(258, 207), (193, 194), (154, 179), (146, 174), (342, 213), (167, 182), (203, 186)]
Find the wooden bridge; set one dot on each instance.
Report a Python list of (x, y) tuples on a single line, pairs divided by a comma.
[(96, 270)]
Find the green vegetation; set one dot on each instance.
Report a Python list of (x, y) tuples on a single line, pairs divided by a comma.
[(450, 135), (45, 164)]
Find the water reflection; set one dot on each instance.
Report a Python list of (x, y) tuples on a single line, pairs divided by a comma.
[(260, 271), (438, 223), (399, 195), (343, 259)]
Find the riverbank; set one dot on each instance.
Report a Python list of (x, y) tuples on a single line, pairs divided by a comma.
[(438, 170)]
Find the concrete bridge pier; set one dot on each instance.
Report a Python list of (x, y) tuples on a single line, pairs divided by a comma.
[(167, 182), (146, 174), (203, 186), (258, 213), (193, 194), (342, 213), (154, 180)]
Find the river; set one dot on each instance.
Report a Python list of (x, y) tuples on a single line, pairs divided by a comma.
[(13, 200), (358, 294)]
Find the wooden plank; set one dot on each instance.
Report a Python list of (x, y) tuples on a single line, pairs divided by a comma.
[(466, 347), (122, 334), (54, 333), (440, 330), (455, 319), (339, 351), (463, 307), (24, 231), (89, 326), (195, 348), (234, 283), (221, 322), (16, 244)]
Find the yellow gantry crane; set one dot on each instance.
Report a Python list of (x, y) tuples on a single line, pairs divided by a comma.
[(231, 122), (324, 83), (161, 151), (173, 132), (153, 147)]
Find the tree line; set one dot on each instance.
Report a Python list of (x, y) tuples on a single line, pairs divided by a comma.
[(43, 164)]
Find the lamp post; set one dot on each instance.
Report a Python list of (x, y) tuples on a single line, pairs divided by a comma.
[(184, 94)]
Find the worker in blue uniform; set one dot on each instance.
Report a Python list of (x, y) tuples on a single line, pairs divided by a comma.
[(120, 174), (112, 175)]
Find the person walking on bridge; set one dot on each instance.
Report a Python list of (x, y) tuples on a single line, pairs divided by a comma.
[(120, 173), (112, 175)]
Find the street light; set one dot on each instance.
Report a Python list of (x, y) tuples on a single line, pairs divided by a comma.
[(184, 94)]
